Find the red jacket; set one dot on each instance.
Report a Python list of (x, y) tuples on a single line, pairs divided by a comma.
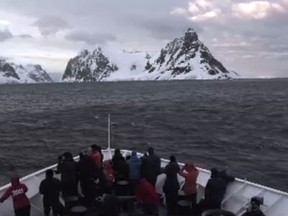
[(96, 157), (145, 193), (108, 173), (191, 174), (17, 191)]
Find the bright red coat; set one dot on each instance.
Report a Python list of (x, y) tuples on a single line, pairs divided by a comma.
[(145, 193), (17, 191)]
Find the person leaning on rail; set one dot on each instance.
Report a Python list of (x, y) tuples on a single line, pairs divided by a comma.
[(18, 191)]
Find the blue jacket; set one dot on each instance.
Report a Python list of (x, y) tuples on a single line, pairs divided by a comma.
[(134, 167)]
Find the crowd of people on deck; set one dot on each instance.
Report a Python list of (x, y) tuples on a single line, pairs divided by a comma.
[(130, 176)]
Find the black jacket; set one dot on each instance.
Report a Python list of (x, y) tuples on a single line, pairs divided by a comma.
[(152, 166), (216, 188), (171, 184), (50, 188), (68, 171)]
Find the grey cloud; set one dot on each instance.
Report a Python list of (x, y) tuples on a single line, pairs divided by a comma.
[(90, 38), (265, 35), (148, 23), (25, 36), (166, 27), (88, 8), (278, 48), (272, 26), (5, 35), (113, 16), (50, 25), (116, 17)]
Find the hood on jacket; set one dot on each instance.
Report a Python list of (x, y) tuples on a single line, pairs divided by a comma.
[(15, 181), (134, 157), (190, 167), (214, 173)]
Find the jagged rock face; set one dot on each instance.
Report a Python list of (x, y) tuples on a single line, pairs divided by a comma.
[(183, 58), (7, 70), (38, 74), (13, 73), (186, 57), (89, 67)]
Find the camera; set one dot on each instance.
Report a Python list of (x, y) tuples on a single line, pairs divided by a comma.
[(257, 200)]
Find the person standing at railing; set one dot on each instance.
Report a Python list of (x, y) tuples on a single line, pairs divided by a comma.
[(134, 170), (171, 186), (50, 188), (97, 158), (120, 166), (152, 166), (67, 167), (190, 173), (21, 202)]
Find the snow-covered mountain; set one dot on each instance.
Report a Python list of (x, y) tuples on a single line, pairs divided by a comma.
[(187, 58), (106, 63), (183, 58), (13, 73)]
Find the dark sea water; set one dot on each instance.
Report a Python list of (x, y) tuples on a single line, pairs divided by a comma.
[(239, 124)]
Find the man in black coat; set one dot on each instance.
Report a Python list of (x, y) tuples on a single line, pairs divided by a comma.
[(50, 188), (171, 186), (214, 191), (216, 188), (152, 166), (67, 167)]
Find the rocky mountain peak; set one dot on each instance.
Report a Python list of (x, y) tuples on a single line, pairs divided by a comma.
[(14, 73), (185, 57), (190, 36), (37, 73), (7, 70), (84, 52), (89, 66)]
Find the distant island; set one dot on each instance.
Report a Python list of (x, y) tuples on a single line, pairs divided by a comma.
[(17, 73), (184, 58)]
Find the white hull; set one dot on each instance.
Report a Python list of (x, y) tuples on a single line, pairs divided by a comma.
[(236, 199)]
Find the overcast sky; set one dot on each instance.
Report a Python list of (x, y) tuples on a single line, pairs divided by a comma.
[(247, 36)]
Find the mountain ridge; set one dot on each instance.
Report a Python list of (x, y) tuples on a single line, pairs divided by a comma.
[(185, 57), (17, 73)]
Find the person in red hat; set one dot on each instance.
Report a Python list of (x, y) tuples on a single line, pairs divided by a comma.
[(20, 201)]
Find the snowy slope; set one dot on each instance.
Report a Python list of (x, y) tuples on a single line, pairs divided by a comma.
[(105, 64), (130, 64), (13, 73), (185, 57)]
